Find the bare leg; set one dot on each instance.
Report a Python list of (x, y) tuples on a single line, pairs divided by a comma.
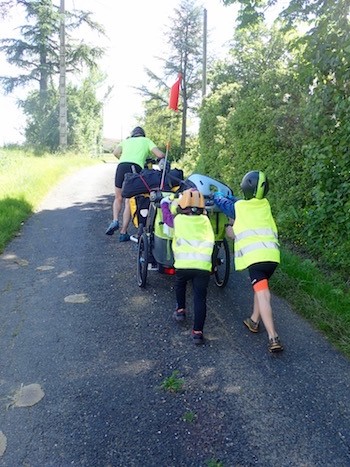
[(126, 216), (262, 309), (114, 225), (256, 312), (117, 203)]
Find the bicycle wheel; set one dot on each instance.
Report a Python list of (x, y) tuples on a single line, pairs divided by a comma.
[(142, 260), (221, 262)]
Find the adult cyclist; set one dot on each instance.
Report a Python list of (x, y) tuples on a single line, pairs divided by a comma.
[(132, 154)]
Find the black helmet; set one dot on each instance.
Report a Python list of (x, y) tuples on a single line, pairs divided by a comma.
[(138, 131), (255, 185)]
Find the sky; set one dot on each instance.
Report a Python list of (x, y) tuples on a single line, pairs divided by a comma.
[(136, 35)]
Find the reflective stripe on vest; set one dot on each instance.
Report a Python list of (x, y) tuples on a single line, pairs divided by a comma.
[(193, 257), (254, 232), (193, 242), (255, 246)]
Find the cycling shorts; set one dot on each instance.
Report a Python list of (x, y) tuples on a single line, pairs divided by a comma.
[(122, 169), (261, 271)]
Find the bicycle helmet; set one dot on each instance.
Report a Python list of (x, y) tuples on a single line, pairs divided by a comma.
[(138, 131), (191, 199), (255, 185)]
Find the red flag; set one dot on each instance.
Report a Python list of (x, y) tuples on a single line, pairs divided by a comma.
[(174, 94)]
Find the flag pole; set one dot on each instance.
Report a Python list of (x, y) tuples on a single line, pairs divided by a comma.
[(173, 104), (167, 147)]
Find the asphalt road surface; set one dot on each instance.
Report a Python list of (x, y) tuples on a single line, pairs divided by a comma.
[(84, 352)]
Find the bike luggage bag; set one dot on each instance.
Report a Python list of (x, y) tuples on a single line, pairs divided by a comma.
[(150, 179), (139, 183), (139, 206)]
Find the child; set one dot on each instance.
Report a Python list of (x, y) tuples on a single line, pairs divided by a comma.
[(256, 247), (193, 243)]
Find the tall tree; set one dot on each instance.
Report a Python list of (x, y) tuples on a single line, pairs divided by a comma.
[(36, 53), (84, 118), (185, 38)]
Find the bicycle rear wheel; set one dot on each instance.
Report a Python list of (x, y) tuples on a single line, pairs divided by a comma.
[(142, 260), (221, 262)]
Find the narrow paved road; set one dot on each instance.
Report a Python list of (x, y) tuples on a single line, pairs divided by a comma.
[(94, 350)]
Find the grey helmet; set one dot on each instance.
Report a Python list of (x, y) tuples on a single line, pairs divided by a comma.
[(255, 185)]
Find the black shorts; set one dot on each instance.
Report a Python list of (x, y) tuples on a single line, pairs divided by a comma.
[(261, 271), (122, 169)]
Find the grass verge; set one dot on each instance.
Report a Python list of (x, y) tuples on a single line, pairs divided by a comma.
[(322, 298), (23, 186)]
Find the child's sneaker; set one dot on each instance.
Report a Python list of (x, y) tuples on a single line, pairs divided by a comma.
[(179, 315), (251, 325), (197, 337), (275, 345)]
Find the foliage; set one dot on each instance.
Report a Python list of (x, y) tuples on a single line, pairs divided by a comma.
[(84, 119), (213, 139), (189, 161), (37, 53), (42, 131), (37, 56), (162, 126), (251, 12), (249, 122), (214, 463), (173, 383), (279, 103), (326, 68), (320, 296), (189, 417)]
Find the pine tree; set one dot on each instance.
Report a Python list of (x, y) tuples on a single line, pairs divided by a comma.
[(36, 53)]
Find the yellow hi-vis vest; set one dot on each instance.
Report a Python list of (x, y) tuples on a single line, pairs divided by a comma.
[(193, 242), (256, 236)]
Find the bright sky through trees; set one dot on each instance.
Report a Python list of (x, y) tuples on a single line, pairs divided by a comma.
[(136, 35)]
